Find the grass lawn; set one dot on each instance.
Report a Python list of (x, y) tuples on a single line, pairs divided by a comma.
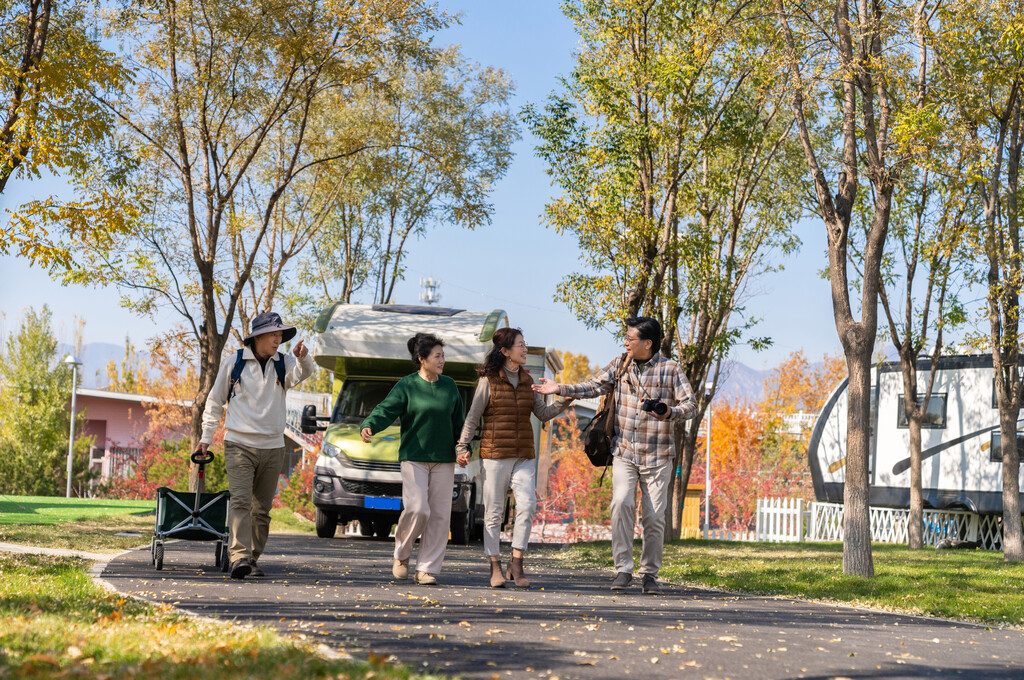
[(56, 510), (55, 622), (95, 524), (970, 585)]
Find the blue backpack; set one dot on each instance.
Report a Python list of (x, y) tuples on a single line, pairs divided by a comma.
[(236, 371)]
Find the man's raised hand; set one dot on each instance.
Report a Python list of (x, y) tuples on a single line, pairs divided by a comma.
[(546, 386)]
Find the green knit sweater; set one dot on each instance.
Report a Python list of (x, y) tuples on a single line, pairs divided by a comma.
[(431, 414)]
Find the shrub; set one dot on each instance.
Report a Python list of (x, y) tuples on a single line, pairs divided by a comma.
[(297, 494), (162, 462)]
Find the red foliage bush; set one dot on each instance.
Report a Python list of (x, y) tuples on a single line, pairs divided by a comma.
[(298, 493), (574, 495), (162, 462)]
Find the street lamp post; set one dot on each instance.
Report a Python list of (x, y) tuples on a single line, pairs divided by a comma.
[(707, 476), (74, 363)]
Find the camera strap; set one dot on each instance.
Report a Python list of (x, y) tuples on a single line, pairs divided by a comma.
[(640, 387)]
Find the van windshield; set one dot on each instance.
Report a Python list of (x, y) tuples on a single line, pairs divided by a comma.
[(358, 398)]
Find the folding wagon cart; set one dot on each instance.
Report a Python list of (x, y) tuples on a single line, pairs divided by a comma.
[(198, 516)]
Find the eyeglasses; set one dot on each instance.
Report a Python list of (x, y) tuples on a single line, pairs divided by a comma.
[(630, 341), (520, 345)]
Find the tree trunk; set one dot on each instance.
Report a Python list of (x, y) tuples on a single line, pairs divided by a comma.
[(211, 346), (684, 463), (915, 413), (1013, 546), (857, 557), (915, 524)]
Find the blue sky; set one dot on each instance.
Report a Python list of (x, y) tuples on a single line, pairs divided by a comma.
[(513, 264)]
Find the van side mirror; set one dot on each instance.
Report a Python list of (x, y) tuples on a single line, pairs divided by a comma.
[(310, 422)]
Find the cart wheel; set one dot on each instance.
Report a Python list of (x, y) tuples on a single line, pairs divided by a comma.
[(216, 553), (224, 557), (158, 556), (152, 550)]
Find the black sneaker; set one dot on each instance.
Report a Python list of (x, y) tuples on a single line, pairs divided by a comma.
[(240, 569), (651, 585), (622, 580), (255, 571)]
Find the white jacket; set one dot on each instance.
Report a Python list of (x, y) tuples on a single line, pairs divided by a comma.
[(256, 414)]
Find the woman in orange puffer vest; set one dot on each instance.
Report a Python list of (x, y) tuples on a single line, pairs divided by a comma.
[(505, 400)]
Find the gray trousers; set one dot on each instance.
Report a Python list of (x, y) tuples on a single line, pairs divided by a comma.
[(654, 486), (499, 474), (252, 481)]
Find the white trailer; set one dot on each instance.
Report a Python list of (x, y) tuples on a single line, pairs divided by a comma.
[(961, 465)]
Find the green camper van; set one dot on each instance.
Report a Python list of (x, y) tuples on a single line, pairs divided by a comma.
[(365, 347)]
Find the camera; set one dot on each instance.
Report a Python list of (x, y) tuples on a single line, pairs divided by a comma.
[(656, 406)]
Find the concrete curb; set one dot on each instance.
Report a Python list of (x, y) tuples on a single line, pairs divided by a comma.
[(56, 552)]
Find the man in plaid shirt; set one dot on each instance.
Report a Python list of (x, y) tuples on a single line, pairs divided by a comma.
[(643, 445)]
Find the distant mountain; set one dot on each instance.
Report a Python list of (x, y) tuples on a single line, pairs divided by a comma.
[(739, 381)]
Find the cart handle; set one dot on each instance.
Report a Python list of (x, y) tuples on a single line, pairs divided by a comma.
[(200, 458)]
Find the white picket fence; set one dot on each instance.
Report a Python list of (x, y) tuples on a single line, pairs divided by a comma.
[(780, 519), (787, 520)]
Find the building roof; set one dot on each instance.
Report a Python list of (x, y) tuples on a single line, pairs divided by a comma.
[(124, 396)]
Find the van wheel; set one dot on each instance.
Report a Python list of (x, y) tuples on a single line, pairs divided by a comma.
[(462, 525), (382, 528), (326, 523), (366, 527), (476, 531)]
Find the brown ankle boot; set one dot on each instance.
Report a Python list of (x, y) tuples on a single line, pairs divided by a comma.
[(497, 578), (515, 572)]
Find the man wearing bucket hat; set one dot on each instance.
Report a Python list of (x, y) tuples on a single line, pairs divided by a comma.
[(252, 383)]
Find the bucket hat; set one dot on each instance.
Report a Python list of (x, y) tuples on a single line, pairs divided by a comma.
[(268, 322)]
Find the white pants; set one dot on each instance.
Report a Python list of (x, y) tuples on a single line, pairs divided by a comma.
[(654, 485), (426, 515), (499, 474)]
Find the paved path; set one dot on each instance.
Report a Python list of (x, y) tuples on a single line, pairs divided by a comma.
[(340, 592)]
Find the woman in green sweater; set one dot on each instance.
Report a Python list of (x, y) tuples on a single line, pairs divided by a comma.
[(430, 408)]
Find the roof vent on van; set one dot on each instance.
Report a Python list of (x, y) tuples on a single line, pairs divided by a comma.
[(417, 309)]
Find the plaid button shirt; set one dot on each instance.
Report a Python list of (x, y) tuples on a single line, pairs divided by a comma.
[(639, 437)]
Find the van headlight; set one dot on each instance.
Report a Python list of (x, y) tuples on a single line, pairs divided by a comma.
[(329, 450)]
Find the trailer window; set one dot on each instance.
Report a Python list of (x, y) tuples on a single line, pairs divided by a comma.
[(934, 418), (995, 451)]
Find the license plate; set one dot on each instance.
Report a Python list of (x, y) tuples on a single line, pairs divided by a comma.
[(382, 503)]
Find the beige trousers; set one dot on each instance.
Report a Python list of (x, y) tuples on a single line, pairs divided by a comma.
[(654, 484), (426, 513), (252, 481)]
